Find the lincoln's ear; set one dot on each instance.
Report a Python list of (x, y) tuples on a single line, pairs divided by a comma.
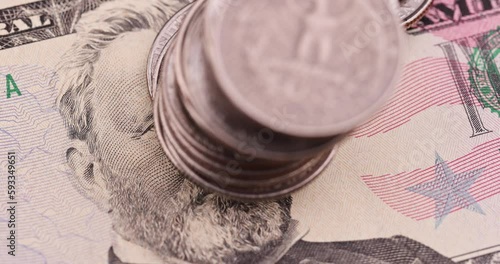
[(87, 178)]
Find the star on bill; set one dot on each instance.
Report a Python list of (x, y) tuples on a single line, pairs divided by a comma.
[(450, 190)]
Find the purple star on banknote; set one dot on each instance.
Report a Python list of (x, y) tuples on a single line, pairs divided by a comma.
[(449, 189)]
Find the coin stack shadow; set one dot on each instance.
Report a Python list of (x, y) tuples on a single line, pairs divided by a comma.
[(212, 141)]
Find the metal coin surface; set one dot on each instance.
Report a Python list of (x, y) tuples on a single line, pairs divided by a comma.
[(304, 68), (181, 119), (157, 112), (242, 186), (190, 146), (411, 11), (161, 44), (211, 110), (190, 136), (206, 135), (251, 188)]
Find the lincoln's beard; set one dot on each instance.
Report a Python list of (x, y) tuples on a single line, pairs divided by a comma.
[(194, 225)]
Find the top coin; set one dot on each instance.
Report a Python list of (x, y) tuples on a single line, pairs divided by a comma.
[(410, 11), (310, 68)]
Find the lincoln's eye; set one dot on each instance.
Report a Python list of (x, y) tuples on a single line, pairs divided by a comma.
[(149, 128), (141, 132)]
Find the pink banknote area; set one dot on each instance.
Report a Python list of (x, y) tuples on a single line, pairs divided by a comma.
[(425, 83), (395, 190), (467, 25)]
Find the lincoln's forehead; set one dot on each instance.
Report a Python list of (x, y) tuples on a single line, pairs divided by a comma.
[(119, 78)]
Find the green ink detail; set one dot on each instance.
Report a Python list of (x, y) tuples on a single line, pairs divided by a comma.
[(495, 53), (15, 89), (485, 90), (484, 75)]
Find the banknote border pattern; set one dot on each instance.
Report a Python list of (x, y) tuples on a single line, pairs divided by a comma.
[(453, 16), (42, 20)]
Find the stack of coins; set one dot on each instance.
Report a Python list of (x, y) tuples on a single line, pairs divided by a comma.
[(251, 97), (411, 11)]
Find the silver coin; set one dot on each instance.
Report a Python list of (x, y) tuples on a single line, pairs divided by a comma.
[(160, 46), (304, 68), (245, 186), (181, 119), (223, 121), (190, 135), (188, 131), (229, 186), (251, 188), (193, 141), (410, 11), (217, 170), (189, 104)]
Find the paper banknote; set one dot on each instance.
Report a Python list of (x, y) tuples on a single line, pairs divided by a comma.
[(83, 178)]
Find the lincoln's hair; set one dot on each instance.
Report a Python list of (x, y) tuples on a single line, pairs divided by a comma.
[(95, 32)]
